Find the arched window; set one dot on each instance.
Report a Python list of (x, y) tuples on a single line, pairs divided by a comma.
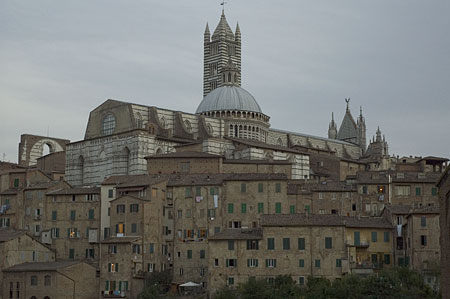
[(223, 78), (162, 122), (210, 129), (47, 280), (187, 123), (81, 169), (109, 124), (159, 151), (280, 142), (126, 160), (139, 124)]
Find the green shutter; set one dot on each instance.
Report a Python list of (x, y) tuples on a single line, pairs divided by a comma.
[(68, 233), (243, 208), (107, 285), (16, 183), (357, 238), (243, 187), (260, 187), (387, 259), (126, 285), (91, 214), (278, 187), (72, 215), (260, 208), (198, 191), (120, 285), (301, 243), (71, 253), (374, 236), (418, 191), (292, 209), (278, 207), (271, 244), (433, 191), (386, 236), (423, 221), (338, 263), (189, 254), (54, 215), (188, 192), (286, 244), (117, 267), (230, 208), (308, 209)]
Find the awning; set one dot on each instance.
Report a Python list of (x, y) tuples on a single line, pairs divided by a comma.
[(190, 284)]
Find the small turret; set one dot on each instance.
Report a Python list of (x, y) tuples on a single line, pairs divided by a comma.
[(207, 34), (332, 128)]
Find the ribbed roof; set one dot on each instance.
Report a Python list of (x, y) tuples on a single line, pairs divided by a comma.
[(223, 27), (229, 98), (347, 130)]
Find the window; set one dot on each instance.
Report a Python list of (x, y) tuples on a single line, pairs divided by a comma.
[(260, 208), (252, 263), (113, 267), (185, 167), (180, 214), (109, 123), (320, 195), (230, 244), (386, 236), (151, 248), (134, 208), (216, 262), (90, 253), (399, 243), (301, 280), (252, 245), (338, 263), (301, 263), (110, 193), (243, 187), (16, 183), (317, 263), (387, 259), (112, 249), (211, 213), (72, 215), (136, 248), (202, 253), (433, 191), (353, 207), (55, 233), (120, 228), (271, 263), (333, 195), (271, 243), (71, 253), (188, 213), (364, 190), (307, 209), (91, 214), (402, 190), (374, 236), (418, 191), (188, 192), (292, 209), (286, 243), (120, 209), (34, 280), (231, 263), (151, 267), (278, 187), (230, 280), (243, 208), (301, 243), (374, 258), (399, 220), (423, 221), (357, 240), (423, 240), (328, 242), (230, 208), (260, 187), (278, 207)]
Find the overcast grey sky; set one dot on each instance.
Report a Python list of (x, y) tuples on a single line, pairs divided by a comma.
[(300, 59)]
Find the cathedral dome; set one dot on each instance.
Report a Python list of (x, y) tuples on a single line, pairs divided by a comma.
[(229, 97)]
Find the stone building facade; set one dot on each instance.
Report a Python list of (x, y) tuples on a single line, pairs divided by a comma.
[(444, 223), (56, 279)]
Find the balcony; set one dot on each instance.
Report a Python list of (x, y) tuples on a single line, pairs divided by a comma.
[(360, 244), (114, 294)]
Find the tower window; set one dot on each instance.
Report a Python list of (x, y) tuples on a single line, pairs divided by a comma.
[(109, 123)]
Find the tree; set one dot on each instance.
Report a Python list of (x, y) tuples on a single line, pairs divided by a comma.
[(150, 292)]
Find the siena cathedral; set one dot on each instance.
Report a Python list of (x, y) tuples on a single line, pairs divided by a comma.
[(228, 122)]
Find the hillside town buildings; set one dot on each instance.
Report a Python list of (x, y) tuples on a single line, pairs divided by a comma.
[(213, 197)]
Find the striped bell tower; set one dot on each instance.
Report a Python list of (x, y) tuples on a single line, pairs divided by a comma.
[(222, 46)]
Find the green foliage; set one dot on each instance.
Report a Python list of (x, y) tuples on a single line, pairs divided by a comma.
[(150, 292), (398, 283)]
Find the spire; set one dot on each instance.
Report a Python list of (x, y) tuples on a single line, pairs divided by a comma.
[(378, 139), (207, 29), (332, 128), (360, 111), (238, 30), (223, 29), (207, 34), (348, 107)]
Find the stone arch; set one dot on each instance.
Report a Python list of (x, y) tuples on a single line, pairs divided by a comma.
[(188, 125), (209, 128), (280, 141), (159, 151)]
